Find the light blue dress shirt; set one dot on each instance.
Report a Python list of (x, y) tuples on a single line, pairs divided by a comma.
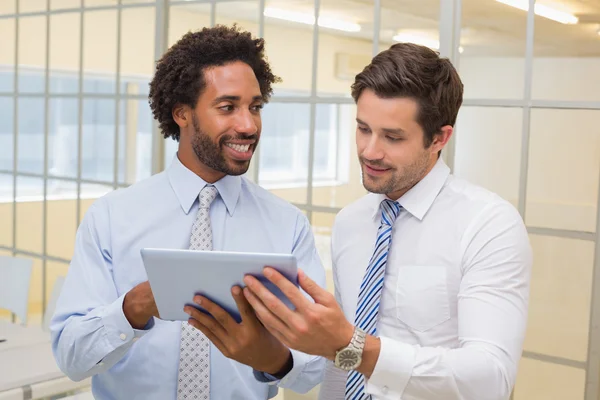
[(92, 337)]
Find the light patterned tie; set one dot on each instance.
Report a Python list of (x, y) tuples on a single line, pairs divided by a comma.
[(367, 311), (194, 348)]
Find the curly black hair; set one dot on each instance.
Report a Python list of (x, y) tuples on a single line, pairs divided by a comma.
[(179, 77)]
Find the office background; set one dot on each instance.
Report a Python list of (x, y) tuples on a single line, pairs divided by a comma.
[(75, 124)]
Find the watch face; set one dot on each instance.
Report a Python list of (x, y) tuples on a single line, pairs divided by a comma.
[(347, 359)]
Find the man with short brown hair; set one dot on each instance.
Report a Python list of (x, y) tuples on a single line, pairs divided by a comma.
[(431, 273)]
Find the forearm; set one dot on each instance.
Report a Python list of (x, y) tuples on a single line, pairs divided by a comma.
[(85, 345), (478, 371)]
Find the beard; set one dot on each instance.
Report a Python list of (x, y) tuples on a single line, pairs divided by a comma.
[(212, 154), (398, 179)]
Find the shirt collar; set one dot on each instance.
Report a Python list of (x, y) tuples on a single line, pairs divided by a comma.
[(187, 186), (418, 200)]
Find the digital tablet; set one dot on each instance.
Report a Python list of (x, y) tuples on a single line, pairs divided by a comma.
[(175, 276)]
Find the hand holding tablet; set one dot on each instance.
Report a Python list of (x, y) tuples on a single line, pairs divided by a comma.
[(176, 276)]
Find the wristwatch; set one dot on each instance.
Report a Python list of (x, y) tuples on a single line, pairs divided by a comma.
[(350, 357)]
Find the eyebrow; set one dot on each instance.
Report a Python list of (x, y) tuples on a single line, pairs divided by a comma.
[(233, 98), (396, 131)]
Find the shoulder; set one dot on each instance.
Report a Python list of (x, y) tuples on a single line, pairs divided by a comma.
[(129, 198), (269, 200)]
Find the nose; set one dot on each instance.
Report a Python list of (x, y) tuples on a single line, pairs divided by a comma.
[(246, 123), (373, 149)]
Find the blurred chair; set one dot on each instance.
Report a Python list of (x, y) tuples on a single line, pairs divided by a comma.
[(15, 276), (51, 306)]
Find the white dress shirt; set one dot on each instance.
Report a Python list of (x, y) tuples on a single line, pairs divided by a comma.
[(453, 310)]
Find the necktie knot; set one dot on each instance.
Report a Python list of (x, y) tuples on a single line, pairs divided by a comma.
[(207, 195), (389, 211)]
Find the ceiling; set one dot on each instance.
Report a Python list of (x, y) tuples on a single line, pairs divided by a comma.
[(489, 28)]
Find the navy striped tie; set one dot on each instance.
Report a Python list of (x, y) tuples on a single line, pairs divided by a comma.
[(367, 311)]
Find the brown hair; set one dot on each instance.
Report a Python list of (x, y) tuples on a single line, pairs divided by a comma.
[(417, 72)]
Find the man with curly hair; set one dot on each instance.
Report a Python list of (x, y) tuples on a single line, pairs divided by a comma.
[(207, 94)]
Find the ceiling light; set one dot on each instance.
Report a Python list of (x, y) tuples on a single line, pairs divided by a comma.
[(309, 19), (543, 11), (421, 40)]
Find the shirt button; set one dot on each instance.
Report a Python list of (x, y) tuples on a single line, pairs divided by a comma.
[(135, 339), (123, 336), (100, 364), (384, 390)]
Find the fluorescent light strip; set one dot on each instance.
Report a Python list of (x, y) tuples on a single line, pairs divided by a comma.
[(423, 41), (542, 11), (309, 19)]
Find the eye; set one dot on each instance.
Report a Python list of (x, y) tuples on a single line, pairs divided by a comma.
[(393, 139), (257, 107), (363, 129), (227, 108)]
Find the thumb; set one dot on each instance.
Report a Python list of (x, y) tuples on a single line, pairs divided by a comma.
[(315, 291)]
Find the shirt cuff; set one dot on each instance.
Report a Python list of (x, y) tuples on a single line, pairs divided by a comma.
[(300, 361), (392, 370), (264, 377), (117, 327)]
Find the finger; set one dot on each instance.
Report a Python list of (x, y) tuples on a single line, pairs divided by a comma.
[(245, 309), (268, 319), (207, 321), (209, 335), (271, 302), (222, 316), (288, 288), (315, 291)]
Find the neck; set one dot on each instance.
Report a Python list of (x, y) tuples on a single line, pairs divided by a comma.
[(188, 158)]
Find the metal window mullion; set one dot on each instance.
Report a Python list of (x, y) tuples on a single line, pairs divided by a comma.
[(117, 100), (189, 2), (317, 208), (45, 178), (592, 377), (79, 9), (456, 35), (80, 117), (213, 13), (338, 139), (313, 109), (449, 37), (15, 136), (531, 355), (562, 233), (161, 39), (261, 34), (312, 99), (457, 26), (525, 133), (63, 178), (36, 255), (376, 26), (545, 104), (526, 126), (108, 96), (15, 130)]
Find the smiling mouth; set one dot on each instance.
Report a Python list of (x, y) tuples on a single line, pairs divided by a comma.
[(242, 148)]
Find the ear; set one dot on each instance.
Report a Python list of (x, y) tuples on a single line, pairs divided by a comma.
[(441, 138), (182, 115)]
